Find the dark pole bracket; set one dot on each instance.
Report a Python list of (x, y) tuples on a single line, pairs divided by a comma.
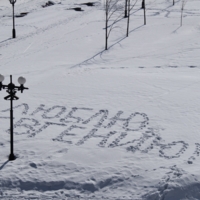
[(9, 97), (22, 88)]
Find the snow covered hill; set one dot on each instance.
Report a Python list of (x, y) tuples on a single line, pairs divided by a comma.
[(95, 124)]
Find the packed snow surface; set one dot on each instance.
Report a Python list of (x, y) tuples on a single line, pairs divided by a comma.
[(95, 124)]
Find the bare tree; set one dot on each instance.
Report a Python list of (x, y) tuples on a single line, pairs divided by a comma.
[(182, 8), (129, 8), (173, 2), (113, 14)]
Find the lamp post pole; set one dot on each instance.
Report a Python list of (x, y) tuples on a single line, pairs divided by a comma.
[(125, 12), (13, 30), (12, 90), (144, 8), (12, 156)]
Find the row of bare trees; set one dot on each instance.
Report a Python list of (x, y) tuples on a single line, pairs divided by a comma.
[(116, 10)]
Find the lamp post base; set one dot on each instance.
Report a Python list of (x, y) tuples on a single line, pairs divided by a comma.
[(12, 157), (13, 33)]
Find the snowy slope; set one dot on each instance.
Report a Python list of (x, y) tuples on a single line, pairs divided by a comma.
[(95, 124)]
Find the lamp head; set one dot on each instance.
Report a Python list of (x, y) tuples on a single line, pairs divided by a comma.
[(1, 78), (21, 80), (12, 1)]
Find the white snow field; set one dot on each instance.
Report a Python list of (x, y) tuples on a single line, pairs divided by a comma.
[(117, 124)]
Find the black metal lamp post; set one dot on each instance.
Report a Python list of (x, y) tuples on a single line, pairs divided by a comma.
[(144, 8), (13, 31), (12, 90)]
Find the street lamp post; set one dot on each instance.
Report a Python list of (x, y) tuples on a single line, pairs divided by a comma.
[(144, 8), (13, 31), (12, 90)]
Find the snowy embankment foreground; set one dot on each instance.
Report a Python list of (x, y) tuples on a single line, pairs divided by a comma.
[(94, 124)]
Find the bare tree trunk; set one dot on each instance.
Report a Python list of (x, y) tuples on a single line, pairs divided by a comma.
[(144, 12), (128, 20), (182, 8), (106, 36), (181, 17), (106, 25), (129, 8), (173, 2)]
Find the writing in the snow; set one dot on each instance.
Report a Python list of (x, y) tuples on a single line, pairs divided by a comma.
[(79, 126)]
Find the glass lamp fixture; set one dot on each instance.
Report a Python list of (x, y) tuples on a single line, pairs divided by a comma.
[(1, 78), (21, 80)]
